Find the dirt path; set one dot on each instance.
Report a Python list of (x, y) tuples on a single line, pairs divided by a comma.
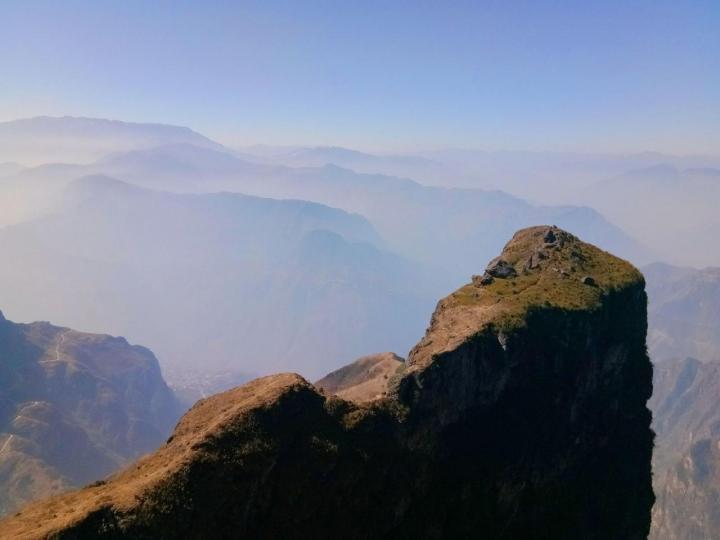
[(59, 343), (4, 446)]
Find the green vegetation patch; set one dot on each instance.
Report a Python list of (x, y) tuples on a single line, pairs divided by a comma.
[(566, 274)]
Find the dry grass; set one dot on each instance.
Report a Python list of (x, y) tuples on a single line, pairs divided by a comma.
[(555, 282)]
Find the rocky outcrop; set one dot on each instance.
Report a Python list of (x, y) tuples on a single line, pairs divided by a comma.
[(521, 414), (74, 407)]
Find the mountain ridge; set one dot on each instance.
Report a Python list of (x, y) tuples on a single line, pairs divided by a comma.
[(74, 407), (509, 429)]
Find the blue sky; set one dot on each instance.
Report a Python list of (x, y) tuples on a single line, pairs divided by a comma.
[(604, 76)]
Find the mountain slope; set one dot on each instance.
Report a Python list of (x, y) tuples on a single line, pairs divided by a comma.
[(429, 224), (74, 407), (365, 379), (241, 282), (686, 461), (684, 312), (684, 324), (67, 139), (521, 414), (679, 217)]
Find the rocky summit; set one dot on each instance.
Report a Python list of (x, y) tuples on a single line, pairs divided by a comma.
[(520, 414)]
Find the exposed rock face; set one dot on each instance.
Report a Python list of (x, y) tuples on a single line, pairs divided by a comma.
[(521, 414), (74, 408), (688, 494), (686, 462), (684, 343), (500, 268)]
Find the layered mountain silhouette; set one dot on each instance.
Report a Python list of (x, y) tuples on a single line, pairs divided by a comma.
[(68, 139), (223, 280), (425, 223), (520, 414), (683, 339), (74, 407), (679, 217), (684, 312), (428, 224)]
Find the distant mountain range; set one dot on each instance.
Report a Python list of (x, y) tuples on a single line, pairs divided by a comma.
[(68, 139), (226, 280), (74, 407), (671, 210), (686, 457), (684, 342), (428, 224), (242, 281), (684, 312), (520, 414)]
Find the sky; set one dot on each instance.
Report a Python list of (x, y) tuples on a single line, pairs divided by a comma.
[(618, 76)]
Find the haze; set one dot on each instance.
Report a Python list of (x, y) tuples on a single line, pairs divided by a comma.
[(147, 155)]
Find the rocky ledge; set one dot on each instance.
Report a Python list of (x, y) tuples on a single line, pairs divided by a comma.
[(521, 414)]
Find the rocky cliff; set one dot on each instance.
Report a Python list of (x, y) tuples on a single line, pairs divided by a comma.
[(683, 313), (520, 414), (74, 407), (686, 463)]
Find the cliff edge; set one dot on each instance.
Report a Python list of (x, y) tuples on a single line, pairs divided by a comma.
[(521, 414)]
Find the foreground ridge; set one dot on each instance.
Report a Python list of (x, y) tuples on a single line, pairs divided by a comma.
[(521, 414)]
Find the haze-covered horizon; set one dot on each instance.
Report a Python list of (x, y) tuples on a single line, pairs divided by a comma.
[(540, 76), (258, 149)]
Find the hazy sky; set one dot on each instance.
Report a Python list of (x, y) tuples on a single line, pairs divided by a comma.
[(606, 75)]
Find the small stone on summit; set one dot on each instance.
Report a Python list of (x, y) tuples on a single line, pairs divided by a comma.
[(482, 280), (550, 237), (500, 268)]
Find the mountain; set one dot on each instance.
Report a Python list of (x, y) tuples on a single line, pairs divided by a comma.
[(74, 407), (686, 461), (365, 379), (410, 166), (520, 414), (243, 283), (179, 167), (684, 312), (67, 139), (685, 406), (684, 324), (679, 218), (543, 177), (687, 501), (432, 225)]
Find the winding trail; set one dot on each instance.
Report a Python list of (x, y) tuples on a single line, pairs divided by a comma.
[(7, 441), (59, 343)]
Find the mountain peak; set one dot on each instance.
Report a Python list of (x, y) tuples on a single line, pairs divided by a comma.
[(540, 267), (506, 420)]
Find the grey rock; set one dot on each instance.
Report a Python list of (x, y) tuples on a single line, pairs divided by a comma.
[(500, 268)]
